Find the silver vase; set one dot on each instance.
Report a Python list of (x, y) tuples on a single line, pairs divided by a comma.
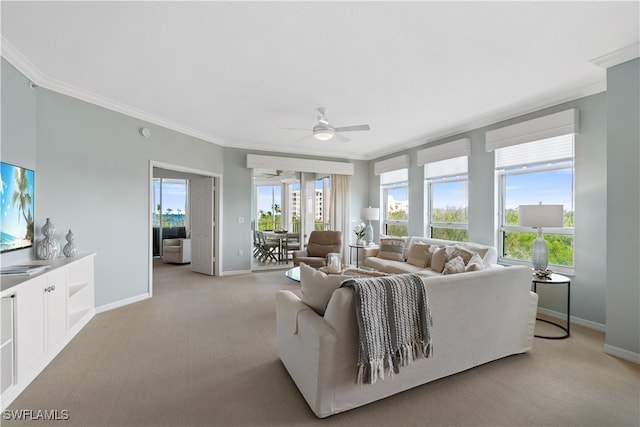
[(70, 249), (48, 247)]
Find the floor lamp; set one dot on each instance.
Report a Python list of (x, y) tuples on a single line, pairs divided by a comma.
[(539, 216), (369, 214)]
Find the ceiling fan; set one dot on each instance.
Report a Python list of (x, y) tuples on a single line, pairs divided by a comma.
[(324, 131)]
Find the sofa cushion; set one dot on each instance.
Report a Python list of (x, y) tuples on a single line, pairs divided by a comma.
[(439, 259), (390, 266), (419, 255), (453, 266), (459, 250), (391, 248), (317, 287), (475, 263)]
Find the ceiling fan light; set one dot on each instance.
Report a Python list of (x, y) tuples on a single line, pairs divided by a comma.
[(323, 133)]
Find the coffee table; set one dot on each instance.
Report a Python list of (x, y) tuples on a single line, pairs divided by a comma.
[(293, 273), (348, 270)]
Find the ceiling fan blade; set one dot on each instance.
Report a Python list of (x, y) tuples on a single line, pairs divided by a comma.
[(352, 128), (340, 138), (306, 138)]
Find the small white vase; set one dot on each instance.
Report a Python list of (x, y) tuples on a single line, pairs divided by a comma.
[(361, 242), (48, 247)]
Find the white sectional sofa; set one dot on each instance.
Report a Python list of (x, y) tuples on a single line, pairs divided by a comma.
[(478, 317), (410, 260)]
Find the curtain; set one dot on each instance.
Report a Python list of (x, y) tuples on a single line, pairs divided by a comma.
[(340, 209)]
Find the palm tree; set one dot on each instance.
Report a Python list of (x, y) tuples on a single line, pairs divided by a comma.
[(22, 199)]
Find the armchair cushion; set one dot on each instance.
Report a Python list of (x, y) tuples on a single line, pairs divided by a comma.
[(176, 251)]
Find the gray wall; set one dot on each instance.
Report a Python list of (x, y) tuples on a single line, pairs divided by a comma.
[(623, 214), (92, 176), (605, 287)]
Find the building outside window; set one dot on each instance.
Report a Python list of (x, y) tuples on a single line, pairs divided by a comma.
[(538, 171), (394, 188)]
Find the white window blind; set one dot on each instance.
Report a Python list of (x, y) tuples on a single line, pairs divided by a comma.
[(449, 150), (400, 175), (392, 164), (557, 124), (542, 151), (449, 167)]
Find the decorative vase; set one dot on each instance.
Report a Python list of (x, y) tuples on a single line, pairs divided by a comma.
[(70, 249), (48, 247), (361, 242)]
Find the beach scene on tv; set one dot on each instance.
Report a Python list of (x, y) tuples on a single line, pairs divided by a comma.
[(16, 228)]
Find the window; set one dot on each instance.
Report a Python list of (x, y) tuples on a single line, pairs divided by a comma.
[(170, 202), (394, 187), (322, 201), (269, 205), (529, 173), (446, 184)]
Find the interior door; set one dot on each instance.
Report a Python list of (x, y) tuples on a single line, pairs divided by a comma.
[(202, 225)]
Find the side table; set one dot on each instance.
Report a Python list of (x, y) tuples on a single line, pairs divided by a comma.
[(555, 279), (357, 248)]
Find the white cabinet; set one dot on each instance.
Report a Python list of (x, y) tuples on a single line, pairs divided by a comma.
[(40, 315), (29, 325), (7, 342)]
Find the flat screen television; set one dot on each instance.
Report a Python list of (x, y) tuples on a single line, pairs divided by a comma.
[(17, 197)]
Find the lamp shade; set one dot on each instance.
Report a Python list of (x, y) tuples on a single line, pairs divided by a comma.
[(541, 215), (370, 213)]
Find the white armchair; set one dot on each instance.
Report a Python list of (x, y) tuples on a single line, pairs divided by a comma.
[(176, 251)]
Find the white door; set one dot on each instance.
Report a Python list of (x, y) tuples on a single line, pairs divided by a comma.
[(202, 225)]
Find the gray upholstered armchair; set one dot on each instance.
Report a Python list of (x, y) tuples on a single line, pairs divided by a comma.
[(176, 251), (320, 244)]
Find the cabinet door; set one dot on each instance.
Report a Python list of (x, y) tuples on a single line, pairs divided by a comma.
[(29, 306), (55, 306)]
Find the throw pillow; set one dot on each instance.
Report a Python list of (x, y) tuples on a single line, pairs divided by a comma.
[(391, 249), (317, 287), (419, 255), (455, 265), (457, 250), (475, 264), (439, 259)]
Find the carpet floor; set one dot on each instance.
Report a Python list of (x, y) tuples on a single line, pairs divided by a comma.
[(202, 352)]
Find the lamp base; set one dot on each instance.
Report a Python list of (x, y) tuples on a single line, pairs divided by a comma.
[(368, 233), (540, 253)]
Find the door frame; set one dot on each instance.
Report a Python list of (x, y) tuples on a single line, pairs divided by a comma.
[(217, 213)]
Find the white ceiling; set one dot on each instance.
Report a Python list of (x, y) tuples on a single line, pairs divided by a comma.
[(233, 72)]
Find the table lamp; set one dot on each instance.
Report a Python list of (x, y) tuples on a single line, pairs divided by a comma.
[(539, 216), (369, 214)]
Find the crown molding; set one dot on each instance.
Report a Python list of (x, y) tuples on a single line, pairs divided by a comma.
[(28, 69), (617, 57)]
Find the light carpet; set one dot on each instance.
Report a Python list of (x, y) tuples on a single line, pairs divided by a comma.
[(202, 352)]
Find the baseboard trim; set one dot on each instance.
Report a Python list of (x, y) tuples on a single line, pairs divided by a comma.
[(575, 320), (235, 272), (122, 303), (622, 353)]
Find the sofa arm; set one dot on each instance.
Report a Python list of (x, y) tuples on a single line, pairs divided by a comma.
[(367, 252)]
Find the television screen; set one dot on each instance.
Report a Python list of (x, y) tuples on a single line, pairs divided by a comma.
[(16, 220)]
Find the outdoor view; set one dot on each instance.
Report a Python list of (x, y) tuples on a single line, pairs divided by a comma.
[(547, 186), (449, 208), (170, 201), (397, 215), (270, 203)]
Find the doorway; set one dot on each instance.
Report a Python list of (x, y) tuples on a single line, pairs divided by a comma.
[(200, 211)]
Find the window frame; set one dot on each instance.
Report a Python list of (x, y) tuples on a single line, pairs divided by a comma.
[(429, 224), (384, 195), (502, 228)]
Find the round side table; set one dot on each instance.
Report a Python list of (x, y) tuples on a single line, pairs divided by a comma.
[(555, 279)]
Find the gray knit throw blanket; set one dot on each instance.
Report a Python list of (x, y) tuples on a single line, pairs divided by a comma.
[(393, 323)]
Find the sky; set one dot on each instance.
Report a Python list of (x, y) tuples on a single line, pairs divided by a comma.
[(13, 222), (173, 195)]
